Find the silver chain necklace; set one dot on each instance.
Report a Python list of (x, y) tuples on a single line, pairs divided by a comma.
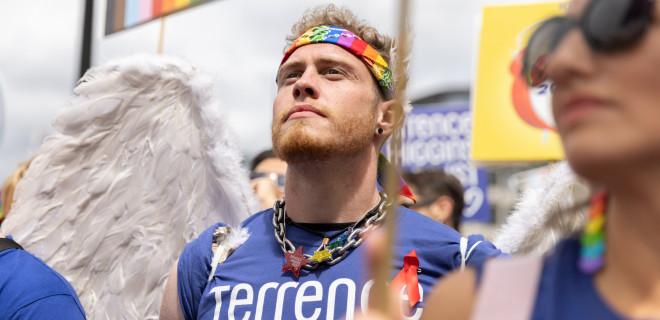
[(337, 253)]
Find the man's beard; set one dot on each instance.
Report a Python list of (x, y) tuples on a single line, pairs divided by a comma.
[(350, 137)]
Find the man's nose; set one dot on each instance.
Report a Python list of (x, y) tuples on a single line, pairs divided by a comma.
[(306, 86)]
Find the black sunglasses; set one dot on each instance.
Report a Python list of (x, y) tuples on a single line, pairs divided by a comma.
[(607, 25), (277, 178)]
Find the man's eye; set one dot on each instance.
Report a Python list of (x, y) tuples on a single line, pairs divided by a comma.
[(333, 71), (291, 75)]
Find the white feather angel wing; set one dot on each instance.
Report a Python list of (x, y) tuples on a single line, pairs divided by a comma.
[(544, 214), (141, 163)]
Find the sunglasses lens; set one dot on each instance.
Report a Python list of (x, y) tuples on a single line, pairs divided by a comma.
[(256, 175), (542, 42), (610, 25)]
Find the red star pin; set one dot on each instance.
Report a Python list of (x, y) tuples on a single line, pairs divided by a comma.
[(294, 261)]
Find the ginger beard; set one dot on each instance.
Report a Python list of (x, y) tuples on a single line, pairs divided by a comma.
[(299, 142)]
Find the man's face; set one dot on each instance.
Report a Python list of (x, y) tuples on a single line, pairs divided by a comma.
[(325, 106)]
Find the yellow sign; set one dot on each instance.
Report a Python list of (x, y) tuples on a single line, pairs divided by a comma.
[(510, 121)]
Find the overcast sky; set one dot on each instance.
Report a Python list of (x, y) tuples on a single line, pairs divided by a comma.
[(238, 42)]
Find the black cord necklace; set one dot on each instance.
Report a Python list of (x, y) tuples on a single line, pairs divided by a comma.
[(322, 235), (326, 238)]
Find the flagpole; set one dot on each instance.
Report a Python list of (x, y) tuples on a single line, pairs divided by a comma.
[(161, 35), (384, 268), (86, 51)]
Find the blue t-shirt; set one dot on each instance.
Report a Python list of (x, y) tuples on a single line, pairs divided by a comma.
[(251, 285), (29, 289), (565, 292)]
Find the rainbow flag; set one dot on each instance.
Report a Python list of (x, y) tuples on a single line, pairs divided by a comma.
[(124, 14)]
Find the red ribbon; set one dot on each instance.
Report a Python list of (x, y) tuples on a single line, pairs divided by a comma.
[(408, 277)]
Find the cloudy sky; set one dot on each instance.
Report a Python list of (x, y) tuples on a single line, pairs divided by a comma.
[(238, 42)]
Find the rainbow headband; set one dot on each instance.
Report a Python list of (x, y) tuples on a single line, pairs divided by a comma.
[(349, 41)]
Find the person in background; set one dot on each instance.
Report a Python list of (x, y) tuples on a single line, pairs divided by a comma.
[(267, 173), (439, 194), (602, 59), (9, 186), (31, 290)]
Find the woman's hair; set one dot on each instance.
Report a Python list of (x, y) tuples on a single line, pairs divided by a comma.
[(9, 186)]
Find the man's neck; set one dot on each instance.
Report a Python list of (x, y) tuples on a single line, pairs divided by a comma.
[(333, 191)]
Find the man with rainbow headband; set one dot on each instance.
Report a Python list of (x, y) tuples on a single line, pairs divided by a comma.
[(303, 259)]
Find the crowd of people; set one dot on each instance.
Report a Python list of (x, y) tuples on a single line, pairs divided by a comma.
[(309, 247)]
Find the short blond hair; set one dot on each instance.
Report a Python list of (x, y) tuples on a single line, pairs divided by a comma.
[(9, 186)]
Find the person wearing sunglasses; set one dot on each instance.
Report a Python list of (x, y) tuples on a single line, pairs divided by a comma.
[(603, 59), (267, 174)]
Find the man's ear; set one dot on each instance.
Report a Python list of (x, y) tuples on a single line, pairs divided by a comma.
[(390, 115)]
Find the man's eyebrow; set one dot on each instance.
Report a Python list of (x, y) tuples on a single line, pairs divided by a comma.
[(289, 64), (335, 61), (324, 61)]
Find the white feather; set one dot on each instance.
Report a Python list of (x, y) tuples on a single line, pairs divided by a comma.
[(142, 162), (544, 214), (237, 237), (225, 240)]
